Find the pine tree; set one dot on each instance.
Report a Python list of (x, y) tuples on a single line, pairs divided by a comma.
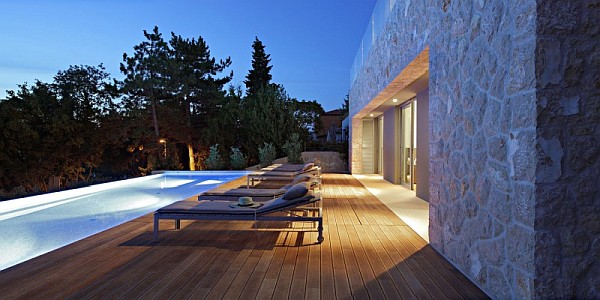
[(144, 73), (260, 74), (194, 87)]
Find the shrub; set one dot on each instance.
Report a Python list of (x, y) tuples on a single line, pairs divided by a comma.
[(237, 159), (266, 154), (214, 161), (293, 149)]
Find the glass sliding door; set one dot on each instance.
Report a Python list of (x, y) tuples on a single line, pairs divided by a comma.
[(408, 144)]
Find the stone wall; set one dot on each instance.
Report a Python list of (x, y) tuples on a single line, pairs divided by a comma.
[(330, 161), (514, 136), (482, 129), (567, 209), (483, 159)]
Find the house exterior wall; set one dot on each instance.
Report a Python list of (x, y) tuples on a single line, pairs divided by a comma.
[(567, 190), (390, 145), (514, 116)]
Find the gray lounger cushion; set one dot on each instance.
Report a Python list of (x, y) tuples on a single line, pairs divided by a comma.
[(245, 192), (307, 167), (296, 191)]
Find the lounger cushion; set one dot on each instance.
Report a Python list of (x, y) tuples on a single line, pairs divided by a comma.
[(239, 192), (301, 178), (297, 191), (178, 206), (307, 167), (224, 207)]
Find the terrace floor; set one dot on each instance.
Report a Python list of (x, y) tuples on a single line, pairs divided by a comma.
[(368, 252)]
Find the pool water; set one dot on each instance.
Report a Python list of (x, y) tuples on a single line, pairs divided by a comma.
[(32, 226)]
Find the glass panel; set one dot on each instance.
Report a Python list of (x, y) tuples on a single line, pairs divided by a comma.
[(379, 16)]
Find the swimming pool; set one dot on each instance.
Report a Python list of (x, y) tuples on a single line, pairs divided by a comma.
[(32, 226)]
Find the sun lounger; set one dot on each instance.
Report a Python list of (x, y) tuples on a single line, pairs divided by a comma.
[(292, 206), (281, 167), (258, 194), (280, 175), (288, 167), (234, 194)]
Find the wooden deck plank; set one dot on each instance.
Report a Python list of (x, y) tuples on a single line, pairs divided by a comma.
[(223, 249), (226, 268), (313, 275), (259, 273), (298, 286), (25, 276), (120, 275), (184, 269), (355, 278), (72, 271), (411, 259), (128, 283), (387, 262), (241, 281), (327, 280), (371, 281), (400, 266), (368, 252), (284, 280), (269, 281)]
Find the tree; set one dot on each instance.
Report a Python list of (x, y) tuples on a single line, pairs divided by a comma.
[(308, 115), (214, 160), (86, 94), (266, 154), (55, 130), (19, 143), (268, 117), (293, 149), (177, 81), (222, 122), (260, 74), (145, 78), (346, 106), (237, 160), (194, 87)]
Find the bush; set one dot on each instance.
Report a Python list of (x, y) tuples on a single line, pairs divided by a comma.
[(214, 161), (266, 154), (293, 149), (238, 159)]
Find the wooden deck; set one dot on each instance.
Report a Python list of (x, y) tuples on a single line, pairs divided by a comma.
[(368, 252)]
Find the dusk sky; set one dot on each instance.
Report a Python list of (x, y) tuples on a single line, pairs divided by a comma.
[(312, 42)]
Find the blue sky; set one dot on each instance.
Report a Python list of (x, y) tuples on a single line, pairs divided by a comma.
[(312, 42)]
